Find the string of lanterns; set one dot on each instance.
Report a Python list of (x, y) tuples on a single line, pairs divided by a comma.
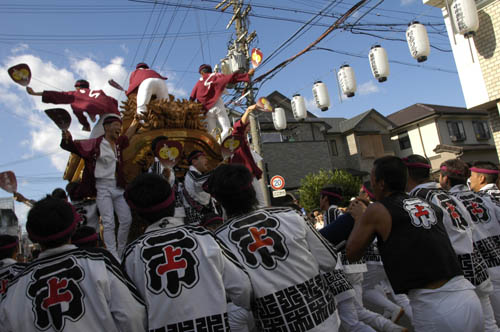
[(465, 20)]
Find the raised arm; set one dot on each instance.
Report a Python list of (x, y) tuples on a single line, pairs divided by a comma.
[(32, 92), (246, 115)]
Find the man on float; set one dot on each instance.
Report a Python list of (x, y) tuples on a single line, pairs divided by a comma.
[(416, 251), (245, 156), (146, 82), (208, 91), (103, 177), (83, 100)]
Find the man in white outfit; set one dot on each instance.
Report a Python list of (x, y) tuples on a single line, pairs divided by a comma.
[(146, 82)]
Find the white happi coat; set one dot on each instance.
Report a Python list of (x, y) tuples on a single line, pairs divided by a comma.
[(283, 255), (185, 277), (71, 289), (9, 268), (460, 227), (89, 213)]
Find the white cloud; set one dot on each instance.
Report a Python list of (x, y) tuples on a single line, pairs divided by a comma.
[(311, 107), (20, 48), (407, 2), (368, 88), (124, 48), (44, 135)]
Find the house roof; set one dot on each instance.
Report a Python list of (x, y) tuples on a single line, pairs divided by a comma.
[(351, 123), (419, 111)]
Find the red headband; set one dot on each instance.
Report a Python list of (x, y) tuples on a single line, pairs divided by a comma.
[(155, 208), (368, 192), (324, 192), (484, 170), (56, 236), (211, 220), (89, 238), (10, 245), (454, 171)]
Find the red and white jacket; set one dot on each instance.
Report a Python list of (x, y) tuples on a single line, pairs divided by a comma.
[(140, 75), (210, 87), (285, 257), (94, 102), (71, 289), (185, 277)]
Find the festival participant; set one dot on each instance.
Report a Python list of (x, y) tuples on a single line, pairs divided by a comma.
[(329, 201), (9, 267), (146, 82), (85, 205), (67, 288), (483, 179), (82, 100), (85, 237), (208, 91), (485, 216), (416, 252), (103, 177), (181, 271), (283, 254), (169, 174), (244, 154), (458, 225), (375, 283), (197, 202)]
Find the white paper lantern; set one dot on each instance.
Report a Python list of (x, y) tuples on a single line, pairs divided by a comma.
[(347, 80), (465, 17), (418, 41), (279, 118), (299, 108), (321, 97), (379, 63)]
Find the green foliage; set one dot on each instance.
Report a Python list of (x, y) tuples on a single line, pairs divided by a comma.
[(311, 186)]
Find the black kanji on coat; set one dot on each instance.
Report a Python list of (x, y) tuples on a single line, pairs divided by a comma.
[(170, 262), (259, 240), (56, 294)]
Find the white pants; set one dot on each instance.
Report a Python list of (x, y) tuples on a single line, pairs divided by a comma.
[(240, 319), (98, 129), (450, 308), (216, 114), (110, 200), (349, 317), (494, 296), (149, 87)]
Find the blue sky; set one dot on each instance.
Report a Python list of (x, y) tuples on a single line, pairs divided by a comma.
[(66, 40)]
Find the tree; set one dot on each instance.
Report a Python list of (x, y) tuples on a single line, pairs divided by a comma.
[(312, 183)]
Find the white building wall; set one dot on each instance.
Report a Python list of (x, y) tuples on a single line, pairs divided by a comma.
[(426, 133)]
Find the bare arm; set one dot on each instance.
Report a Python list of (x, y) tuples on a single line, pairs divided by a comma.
[(246, 115), (132, 129), (32, 92), (367, 224)]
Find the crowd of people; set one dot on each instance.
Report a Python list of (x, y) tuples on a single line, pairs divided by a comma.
[(214, 257)]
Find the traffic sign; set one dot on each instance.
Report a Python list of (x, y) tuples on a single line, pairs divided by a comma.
[(277, 182), (279, 193)]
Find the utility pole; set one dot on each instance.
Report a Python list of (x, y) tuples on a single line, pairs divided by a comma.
[(242, 45)]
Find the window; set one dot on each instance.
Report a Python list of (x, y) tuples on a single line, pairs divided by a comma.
[(269, 137), (333, 144), (456, 130), (481, 130), (404, 141)]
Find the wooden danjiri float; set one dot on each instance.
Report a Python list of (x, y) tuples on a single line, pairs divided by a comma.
[(179, 120)]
